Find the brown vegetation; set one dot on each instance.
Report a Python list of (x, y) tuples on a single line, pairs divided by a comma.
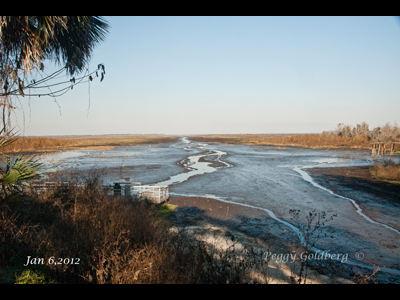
[(44, 144), (110, 241), (388, 171), (344, 137), (295, 140)]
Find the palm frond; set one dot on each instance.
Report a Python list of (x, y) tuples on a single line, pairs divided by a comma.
[(26, 40), (73, 46), (21, 170), (17, 172)]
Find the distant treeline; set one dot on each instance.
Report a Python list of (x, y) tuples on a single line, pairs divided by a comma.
[(343, 137), (385, 133)]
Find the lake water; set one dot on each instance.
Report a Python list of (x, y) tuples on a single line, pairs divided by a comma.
[(263, 177)]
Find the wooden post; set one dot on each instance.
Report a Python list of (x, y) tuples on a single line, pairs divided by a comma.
[(379, 148), (117, 189), (127, 190)]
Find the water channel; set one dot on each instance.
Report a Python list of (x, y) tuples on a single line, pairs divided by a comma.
[(267, 178)]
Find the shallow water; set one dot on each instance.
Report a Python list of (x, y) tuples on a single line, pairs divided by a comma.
[(263, 177), (145, 164)]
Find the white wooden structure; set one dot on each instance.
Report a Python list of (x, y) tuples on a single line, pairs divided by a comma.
[(154, 193)]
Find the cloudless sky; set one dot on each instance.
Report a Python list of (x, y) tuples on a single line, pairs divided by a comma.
[(201, 75)]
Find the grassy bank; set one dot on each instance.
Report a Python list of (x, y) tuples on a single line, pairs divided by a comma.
[(44, 144), (315, 141)]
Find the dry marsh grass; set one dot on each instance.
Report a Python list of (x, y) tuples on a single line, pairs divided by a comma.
[(116, 241), (343, 137), (43, 144), (318, 141)]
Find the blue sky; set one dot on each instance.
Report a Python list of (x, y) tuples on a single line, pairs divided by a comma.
[(205, 75)]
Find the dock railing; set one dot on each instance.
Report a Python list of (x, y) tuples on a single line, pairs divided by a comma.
[(154, 193)]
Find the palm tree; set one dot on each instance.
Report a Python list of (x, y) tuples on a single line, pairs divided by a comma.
[(75, 48), (26, 41)]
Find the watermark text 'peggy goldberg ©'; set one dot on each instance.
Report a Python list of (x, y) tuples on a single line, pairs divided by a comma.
[(304, 256)]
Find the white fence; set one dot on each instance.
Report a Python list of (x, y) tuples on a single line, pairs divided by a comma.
[(154, 193)]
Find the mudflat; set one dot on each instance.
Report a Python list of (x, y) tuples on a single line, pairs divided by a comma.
[(356, 178), (206, 215)]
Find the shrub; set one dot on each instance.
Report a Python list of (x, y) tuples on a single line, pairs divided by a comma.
[(388, 171), (116, 241)]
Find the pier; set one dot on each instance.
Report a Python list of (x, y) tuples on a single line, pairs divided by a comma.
[(381, 148)]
